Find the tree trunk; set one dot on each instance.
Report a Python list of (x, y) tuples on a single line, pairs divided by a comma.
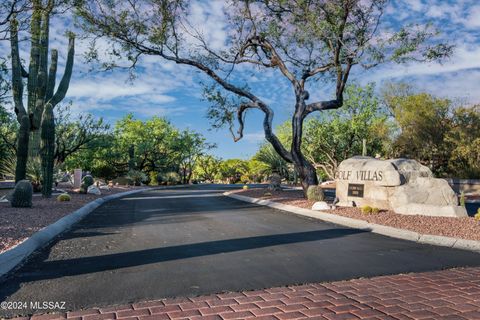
[(131, 157), (22, 149), (306, 171), (47, 149)]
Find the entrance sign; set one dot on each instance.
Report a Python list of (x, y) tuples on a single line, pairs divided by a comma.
[(402, 185)]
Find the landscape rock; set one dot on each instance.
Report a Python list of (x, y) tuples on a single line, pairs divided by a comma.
[(94, 190), (320, 205), (402, 185)]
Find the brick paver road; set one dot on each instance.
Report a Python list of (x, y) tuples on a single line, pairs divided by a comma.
[(440, 295)]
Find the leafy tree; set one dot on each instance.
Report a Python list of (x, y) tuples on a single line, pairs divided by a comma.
[(231, 170), (207, 168), (302, 40), (155, 144), (423, 121), (464, 139), (338, 134), (191, 146), (78, 134)]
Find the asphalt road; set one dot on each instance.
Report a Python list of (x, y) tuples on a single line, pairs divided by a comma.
[(187, 242)]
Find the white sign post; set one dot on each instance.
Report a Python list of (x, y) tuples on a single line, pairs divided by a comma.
[(77, 178)]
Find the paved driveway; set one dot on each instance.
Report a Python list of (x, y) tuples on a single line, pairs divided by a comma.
[(192, 241)]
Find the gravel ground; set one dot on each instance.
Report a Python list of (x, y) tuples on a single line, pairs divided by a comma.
[(464, 228), (17, 224)]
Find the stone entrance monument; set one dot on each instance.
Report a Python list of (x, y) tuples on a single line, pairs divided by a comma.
[(402, 185)]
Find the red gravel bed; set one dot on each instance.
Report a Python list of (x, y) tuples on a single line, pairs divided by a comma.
[(440, 295), (463, 228), (17, 224)]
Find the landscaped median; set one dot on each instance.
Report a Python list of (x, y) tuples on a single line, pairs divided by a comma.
[(460, 233), (28, 229)]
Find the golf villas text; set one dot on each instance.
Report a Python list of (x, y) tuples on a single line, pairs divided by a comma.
[(360, 175)]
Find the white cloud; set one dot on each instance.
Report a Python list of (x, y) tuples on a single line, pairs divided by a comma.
[(254, 137), (472, 20)]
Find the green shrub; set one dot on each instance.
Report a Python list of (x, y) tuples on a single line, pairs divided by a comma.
[(123, 181), (366, 209), (155, 178), (477, 215), (462, 198), (244, 179), (245, 187), (375, 210), (137, 177), (172, 178), (64, 197), (315, 193), (104, 171)]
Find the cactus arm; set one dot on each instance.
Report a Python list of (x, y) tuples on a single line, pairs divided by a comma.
[(65, 82), (42, 74), (35, 27), (52, 74), (24, 72), (17, 83)]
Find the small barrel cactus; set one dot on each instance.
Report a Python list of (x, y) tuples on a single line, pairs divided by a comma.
[(64, 197), (88, 180), (366, 209), (315, 193), (21, 196)]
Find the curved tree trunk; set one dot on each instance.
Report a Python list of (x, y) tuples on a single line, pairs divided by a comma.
[(306, 171)]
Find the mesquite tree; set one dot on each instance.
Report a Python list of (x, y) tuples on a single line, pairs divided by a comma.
[(41, 95), (302, 40)]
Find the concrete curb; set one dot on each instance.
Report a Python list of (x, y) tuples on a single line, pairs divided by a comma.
[(450, 242), (13, 257)]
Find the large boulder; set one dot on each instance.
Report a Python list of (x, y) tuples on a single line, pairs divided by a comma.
[(402, 185)]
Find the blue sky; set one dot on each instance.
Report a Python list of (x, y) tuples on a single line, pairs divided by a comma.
[(166, 89)]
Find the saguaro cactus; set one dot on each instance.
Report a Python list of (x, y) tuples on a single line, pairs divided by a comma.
[(47, 149), (42, 97)]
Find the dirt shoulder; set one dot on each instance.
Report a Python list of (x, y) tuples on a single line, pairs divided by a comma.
[(18, 224)]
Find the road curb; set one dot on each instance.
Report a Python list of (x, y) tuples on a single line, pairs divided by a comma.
[(470, 245), (15, 256)]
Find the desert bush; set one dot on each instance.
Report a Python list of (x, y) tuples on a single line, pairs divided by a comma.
[(245, 187), (315, 193), (104, 171), (171, 178), (137, 177)]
